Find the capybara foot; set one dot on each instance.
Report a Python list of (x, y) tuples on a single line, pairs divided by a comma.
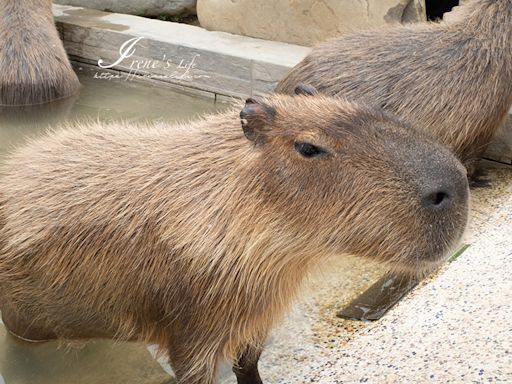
[(24, 329), (479, 178)]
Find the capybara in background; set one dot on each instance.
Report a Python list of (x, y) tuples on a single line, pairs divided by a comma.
[(34, 66), (196, 237), (451, 78)]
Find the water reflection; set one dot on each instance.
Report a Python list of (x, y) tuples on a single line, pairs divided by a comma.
[(96, 362)]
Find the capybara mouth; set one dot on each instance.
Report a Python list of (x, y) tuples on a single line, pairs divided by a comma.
[(419, 268), (420, 264)]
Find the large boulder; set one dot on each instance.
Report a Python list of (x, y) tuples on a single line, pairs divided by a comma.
[(304, 21), (137, 7)]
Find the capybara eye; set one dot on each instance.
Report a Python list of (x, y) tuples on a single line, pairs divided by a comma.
[(310, 150)]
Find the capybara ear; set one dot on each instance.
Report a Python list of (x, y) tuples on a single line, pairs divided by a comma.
[(305, 89), (256, 117)]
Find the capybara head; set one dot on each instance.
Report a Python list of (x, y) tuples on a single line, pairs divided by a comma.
[(35, 67), (355, 179)]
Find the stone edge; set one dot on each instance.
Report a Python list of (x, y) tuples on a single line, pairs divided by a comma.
[(224, 64)]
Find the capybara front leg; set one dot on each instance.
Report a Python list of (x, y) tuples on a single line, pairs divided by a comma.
[(246, 368), (190, 368)]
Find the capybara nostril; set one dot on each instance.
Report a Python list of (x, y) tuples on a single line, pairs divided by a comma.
[(446, 188), (438, 199)]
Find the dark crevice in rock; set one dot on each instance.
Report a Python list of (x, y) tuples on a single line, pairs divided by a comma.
[(437, 8)]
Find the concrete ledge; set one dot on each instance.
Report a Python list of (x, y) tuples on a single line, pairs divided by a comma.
[(181, 54)]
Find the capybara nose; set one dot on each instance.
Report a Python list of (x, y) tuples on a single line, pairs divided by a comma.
[(446, 192), (439, 198)]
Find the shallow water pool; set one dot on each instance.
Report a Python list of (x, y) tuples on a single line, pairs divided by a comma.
[(103, 100)]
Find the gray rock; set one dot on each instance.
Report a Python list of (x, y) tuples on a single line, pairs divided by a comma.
[(304, 22), (137, 7)]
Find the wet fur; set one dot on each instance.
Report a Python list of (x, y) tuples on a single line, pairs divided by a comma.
[(453, 79), (35, 67), (197, 239)]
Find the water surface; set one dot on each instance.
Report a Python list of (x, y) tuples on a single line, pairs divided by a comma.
[(103, 100)]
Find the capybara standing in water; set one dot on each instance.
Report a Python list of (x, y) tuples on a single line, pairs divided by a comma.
[(451, 78), (197, 237), (34, 66)]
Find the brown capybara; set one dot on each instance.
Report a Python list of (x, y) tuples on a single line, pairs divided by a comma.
[(451, 78), (197, 237), (34, 66)]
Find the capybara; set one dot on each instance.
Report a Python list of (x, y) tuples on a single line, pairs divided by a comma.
[(34, 66), (451, 78), (196, 237)]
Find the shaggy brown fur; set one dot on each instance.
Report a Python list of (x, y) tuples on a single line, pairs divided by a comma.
[(453, 79), (34, 66), (197, 238)]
